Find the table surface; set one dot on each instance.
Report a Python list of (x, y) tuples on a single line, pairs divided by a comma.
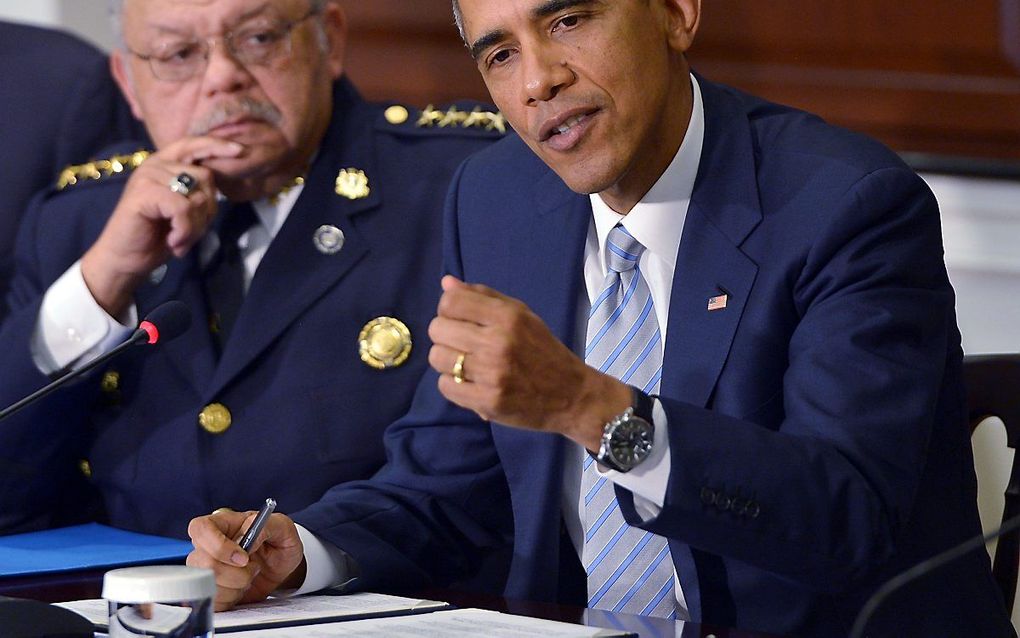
[(87, 584)]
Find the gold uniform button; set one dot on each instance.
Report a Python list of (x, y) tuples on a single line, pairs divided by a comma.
[(396, 115), (215, 418), (384, 342), (86, 468), (110, 382)]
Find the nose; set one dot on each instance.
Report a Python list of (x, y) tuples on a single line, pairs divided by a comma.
[(545, 75), (224, 73)]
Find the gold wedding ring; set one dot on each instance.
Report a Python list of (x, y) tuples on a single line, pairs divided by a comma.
[(458, 368)]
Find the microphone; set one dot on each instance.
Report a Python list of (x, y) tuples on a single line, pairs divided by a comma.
[(922, 568), (167, 321)]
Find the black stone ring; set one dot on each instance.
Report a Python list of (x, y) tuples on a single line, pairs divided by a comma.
[(184, 184)]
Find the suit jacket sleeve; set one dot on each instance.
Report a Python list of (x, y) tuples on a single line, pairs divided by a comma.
[(822, 499)]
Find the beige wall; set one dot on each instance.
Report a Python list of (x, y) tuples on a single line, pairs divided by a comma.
[(86, 18)]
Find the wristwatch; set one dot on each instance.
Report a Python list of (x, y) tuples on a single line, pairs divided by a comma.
[(627, 437)]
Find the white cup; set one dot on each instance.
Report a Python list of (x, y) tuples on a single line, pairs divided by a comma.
[(162, 601)]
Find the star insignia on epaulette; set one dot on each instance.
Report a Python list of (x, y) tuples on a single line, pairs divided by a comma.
[(100, 169), (456, 118), (429, 117)]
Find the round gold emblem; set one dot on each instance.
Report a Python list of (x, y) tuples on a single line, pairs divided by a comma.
[(396, 115), (384, 342), (215, 418)]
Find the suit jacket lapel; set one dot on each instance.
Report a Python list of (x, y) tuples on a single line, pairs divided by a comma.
[(293, 274), (723, 211)]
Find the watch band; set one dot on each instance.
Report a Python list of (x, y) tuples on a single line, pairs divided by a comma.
[(639, 411), (642, 403)]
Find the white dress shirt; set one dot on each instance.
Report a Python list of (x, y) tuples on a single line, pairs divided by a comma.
[(72, 328), (657, 222)]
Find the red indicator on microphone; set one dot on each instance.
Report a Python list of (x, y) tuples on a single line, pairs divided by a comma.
[(150, 329)]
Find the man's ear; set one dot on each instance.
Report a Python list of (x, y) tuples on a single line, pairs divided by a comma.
[(118, 67), (682, 20), (334, 25)]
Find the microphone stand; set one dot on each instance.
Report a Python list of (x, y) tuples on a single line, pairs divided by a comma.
[(139, 337), (922, 568)]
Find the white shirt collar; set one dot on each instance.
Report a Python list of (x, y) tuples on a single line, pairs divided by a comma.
[(271, 214), (657, 221), (273, 211)]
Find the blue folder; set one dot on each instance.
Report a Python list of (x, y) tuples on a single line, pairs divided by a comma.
[(89, 546)]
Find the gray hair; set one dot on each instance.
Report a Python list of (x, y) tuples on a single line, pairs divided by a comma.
[(117, 9)]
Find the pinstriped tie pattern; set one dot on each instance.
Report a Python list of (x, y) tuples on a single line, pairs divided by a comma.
[(629, 569)]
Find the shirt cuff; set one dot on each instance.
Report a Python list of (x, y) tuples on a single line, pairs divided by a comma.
[(72, 327), (649, 480), (326, 566)]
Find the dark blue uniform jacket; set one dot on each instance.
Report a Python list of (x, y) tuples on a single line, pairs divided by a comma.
[(307, 413)]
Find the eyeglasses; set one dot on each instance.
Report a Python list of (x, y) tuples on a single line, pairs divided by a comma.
[(250, 46)]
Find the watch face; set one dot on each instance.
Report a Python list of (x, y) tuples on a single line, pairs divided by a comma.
[(631, 442)]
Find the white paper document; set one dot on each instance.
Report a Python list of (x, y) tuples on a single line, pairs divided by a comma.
[(468, 623), (300, 610)]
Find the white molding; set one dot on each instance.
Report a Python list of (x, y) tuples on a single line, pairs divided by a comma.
[(41, 12), (980, 223)]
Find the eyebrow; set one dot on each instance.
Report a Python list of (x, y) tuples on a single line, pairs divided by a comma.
[(544, 10)]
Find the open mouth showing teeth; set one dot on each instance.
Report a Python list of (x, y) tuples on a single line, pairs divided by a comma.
[(569, 124)]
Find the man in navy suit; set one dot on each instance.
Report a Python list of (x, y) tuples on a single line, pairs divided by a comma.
[(706, 365), (310, 320), (59, 106)]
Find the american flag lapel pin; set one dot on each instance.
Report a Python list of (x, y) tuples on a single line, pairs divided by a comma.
[(718, 302)]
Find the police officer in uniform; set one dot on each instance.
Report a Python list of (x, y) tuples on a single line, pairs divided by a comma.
[(299, 223)]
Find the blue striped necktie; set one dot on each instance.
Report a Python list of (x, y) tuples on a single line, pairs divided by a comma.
[(629, 569)]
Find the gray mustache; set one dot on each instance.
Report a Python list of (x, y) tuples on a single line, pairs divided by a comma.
[(244, 107)]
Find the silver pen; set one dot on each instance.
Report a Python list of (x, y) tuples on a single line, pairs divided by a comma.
[(256, 525)]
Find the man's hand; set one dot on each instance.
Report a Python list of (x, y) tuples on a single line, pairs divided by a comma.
[(514, 370), (276, 560), (151, 222)]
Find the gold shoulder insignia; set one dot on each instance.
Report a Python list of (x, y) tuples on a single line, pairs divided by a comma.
[(100, 169), (453, 117)]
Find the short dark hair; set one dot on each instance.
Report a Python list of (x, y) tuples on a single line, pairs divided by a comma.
[(458, 19)]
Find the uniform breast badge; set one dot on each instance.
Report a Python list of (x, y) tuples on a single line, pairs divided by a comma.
[(384, 343), (328, 239)]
